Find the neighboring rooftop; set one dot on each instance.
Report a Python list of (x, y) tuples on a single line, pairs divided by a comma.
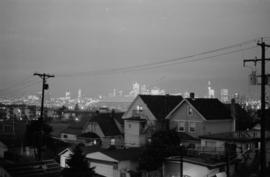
[(107, 123), (241, 136), (161, 105), (132, 154), (45, 168), (210, 108)]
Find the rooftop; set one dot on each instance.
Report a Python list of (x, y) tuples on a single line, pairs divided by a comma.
[(210, 108), (161, 105)]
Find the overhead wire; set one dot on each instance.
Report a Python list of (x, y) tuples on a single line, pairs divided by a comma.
[(15, 84), (20, 88), (153, 65)]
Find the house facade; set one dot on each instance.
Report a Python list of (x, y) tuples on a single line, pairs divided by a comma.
[(146, 115), (193, 168), (200, 116), (106, 128), (114, 163)]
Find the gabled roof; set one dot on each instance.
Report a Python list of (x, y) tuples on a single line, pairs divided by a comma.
[(107, 123), (45, 168), (210, 108), (132, 154), (161, 105), (241, 136), (72, 130)]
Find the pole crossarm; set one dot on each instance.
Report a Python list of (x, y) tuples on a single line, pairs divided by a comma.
[(43, 75), (254, 60)]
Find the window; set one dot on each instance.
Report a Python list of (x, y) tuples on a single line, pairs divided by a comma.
[(189, 111), (181, 126), (139, 108), (112, 141), (129, 125), (192, 127)]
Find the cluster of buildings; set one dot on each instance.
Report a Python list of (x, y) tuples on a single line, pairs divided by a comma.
[(206, 126), (215, 134)]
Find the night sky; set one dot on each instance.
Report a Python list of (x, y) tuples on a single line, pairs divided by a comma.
[(90, 44)]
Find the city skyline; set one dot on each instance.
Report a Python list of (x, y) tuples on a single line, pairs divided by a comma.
[(98, 46)]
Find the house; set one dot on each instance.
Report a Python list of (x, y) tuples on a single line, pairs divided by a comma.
[(75, 128), (115, 163), (106, 128), (65, 154), (200, 116), (193, 167), (146, 115), (239, 143)]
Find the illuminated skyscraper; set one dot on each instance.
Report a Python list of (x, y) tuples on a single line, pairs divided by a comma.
[(79, 95), (224, 95), (67, 95), (211, 92)]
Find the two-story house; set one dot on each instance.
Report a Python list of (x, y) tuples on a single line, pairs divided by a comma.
[(201, 116), (145, 116)]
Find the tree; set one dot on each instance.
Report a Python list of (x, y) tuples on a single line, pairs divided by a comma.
[(163, 144), (37, 135), (78, 165)]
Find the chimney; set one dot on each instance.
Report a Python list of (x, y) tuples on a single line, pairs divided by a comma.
[(233, 114), (192, 95)]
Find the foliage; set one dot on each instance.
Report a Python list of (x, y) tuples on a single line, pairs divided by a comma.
[(163, 144), (37, 135), (78, 165)]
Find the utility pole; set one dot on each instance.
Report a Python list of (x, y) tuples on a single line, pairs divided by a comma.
[(45, 86), (263, 82), (227, 155), (40, 135), (181, 161)]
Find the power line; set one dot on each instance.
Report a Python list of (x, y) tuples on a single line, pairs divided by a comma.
[(15, 84), (154, 65), (19, 88)]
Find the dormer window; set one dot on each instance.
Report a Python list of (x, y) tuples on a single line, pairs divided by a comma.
[(189, 111)]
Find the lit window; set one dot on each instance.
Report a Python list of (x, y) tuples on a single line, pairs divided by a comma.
[(181, 126), (139, 108), (192, 127), (112, 141), (189, 111)]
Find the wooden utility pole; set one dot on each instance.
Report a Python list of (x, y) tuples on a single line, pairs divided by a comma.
[(181, 161), (263, 83), (40, 135), (45, 86)]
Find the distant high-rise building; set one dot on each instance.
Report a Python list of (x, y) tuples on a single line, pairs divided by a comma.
[(211, 92), (67, 95), (224, 95), (135, 89), (79, 95)]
